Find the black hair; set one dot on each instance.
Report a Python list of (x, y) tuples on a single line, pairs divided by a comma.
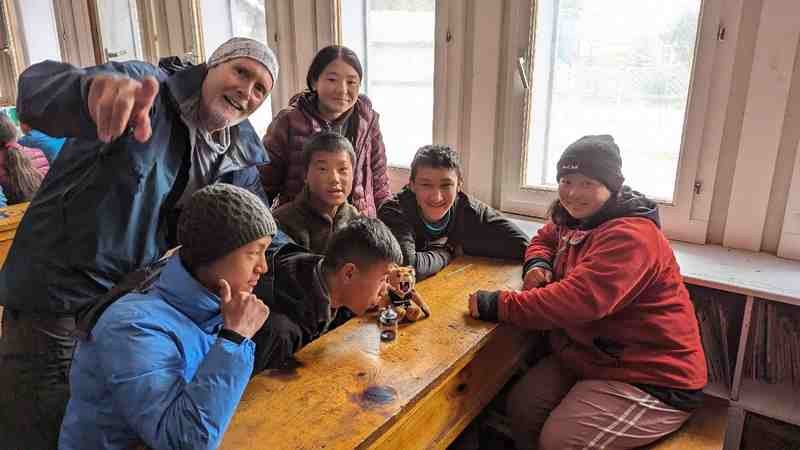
[(23, 178), (8, 131), (364, 241), (438, 157), (329, 142), (328, 55)]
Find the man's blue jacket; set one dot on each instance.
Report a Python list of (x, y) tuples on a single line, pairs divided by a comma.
[(104, 210)]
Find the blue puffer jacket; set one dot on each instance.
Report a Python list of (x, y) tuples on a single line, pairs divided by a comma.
[(49, 145), (103, 210), (156, 372)]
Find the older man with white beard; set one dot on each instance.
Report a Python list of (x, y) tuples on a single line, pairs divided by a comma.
[(142, 140)]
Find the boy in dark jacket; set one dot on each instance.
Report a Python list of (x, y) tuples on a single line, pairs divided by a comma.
[(318, 293), (322, 207), (435, 221)]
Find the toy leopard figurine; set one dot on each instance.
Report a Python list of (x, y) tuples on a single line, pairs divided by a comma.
[(401, 295)]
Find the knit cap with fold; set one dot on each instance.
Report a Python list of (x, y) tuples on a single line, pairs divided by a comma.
[(218, 219), (240, 47), (596, 157)]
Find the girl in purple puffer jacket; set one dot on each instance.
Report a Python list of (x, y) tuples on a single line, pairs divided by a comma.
[(331, 103)]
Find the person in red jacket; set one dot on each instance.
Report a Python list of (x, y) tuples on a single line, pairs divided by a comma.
[(331, 103), (627, 366)]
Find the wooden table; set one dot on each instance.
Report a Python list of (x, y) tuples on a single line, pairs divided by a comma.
[(349, 390), (9, 219)]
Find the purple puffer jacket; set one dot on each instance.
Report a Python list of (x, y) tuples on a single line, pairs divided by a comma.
[(284, 177), (38, 160)]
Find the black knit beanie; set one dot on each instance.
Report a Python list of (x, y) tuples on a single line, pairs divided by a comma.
[(219, 219), (596, 157)]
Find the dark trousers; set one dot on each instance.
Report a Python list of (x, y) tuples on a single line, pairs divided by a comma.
[(35, 357)]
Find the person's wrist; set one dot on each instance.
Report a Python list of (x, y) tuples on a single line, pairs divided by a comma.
[(231, 335)]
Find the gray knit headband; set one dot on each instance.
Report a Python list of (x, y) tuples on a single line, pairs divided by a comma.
[(240, 47)]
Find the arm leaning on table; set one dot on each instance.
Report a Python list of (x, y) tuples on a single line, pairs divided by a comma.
[(425, 263), (488, 233)]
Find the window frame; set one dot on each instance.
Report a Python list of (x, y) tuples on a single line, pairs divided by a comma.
[(11, 52), (448, 56), (686, 217)]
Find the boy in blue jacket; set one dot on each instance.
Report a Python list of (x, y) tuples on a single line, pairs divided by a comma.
[(166, 367)]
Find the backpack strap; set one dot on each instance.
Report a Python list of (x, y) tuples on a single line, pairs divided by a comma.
[(137, 281)]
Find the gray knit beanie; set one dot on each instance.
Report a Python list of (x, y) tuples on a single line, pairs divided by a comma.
[(239, 47), (596, 157), (217, 220)]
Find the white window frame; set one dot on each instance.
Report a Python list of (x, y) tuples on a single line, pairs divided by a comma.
[(11, 54), (446, 89), (686, 217)]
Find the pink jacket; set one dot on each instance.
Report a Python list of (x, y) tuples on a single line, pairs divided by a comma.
[(36, 156)]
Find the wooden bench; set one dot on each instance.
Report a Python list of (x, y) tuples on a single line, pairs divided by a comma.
[(705, 430), (349, 390)]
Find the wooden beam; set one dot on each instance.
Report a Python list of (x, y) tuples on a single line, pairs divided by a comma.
[(770, 80)]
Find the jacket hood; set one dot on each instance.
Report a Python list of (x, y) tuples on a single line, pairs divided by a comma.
[(181, 290), (627, 203)]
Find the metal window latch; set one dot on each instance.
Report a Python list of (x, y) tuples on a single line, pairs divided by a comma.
[(110, 55), (721, 33), (448, 37), (698, 187), (523, 77)]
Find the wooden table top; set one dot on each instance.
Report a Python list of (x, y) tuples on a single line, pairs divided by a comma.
[(348, 388), (11, 215)]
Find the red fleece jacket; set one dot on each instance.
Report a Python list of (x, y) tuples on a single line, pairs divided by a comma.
[(617, 305)]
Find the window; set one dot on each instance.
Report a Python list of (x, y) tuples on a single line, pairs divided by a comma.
[(120, 32), (39, 30), (619, 68), (222, 20), (651, 73), (394, 40), (8, 56)]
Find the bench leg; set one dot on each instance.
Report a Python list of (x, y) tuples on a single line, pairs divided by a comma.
[(733, 432)]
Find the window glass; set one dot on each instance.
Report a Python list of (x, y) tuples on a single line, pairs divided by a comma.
[(394, 40), (621, 68), (223, 20)]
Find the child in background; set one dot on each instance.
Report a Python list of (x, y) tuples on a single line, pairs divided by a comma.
[(627, 366), (22, 169), (49, 145), (321, 208), (435, 221)]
